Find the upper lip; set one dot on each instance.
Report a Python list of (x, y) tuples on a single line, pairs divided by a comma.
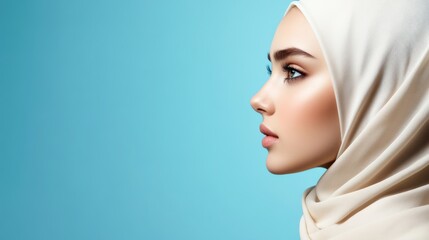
[(266, 131)]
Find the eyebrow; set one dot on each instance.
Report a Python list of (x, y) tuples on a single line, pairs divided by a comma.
[(282, 54)]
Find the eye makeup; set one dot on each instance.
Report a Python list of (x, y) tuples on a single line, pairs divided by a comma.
[(290, 71)]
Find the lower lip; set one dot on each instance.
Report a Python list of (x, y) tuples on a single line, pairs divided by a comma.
[(267, 141)]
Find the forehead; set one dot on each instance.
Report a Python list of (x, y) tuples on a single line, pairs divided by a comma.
[(295, 31)]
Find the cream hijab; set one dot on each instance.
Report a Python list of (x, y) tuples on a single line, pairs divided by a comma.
[(377, 53)]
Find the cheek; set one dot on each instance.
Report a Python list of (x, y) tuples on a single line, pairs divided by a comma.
[(310, 117)]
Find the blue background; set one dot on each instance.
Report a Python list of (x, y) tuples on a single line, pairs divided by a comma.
[(132, 120)]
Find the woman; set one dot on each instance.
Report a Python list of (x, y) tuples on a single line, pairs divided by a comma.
[(349, 91)]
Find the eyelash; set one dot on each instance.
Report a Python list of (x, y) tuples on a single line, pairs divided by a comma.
[(288, 68)]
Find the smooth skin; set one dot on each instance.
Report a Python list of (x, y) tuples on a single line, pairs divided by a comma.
[(297, 102)]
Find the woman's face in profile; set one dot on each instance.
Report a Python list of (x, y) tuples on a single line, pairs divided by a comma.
[(297, 102)]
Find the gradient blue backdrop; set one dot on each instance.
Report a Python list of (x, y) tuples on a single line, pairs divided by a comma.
[(131, 120)]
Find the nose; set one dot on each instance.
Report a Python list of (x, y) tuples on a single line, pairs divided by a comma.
[(262, 103)]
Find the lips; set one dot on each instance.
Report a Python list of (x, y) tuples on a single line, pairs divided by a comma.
[(267, 131)]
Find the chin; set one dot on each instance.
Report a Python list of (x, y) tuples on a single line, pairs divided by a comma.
[(283, 166)]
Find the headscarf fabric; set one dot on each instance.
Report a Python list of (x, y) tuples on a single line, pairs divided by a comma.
[(377, 52)]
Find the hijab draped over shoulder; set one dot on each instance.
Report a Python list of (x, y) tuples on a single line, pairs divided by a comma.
[(377, 53)]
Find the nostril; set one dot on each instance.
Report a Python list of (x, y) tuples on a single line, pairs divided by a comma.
[(260, 110)]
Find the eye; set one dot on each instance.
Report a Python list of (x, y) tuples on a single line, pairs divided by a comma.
[(292, 73), (269, 70)]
